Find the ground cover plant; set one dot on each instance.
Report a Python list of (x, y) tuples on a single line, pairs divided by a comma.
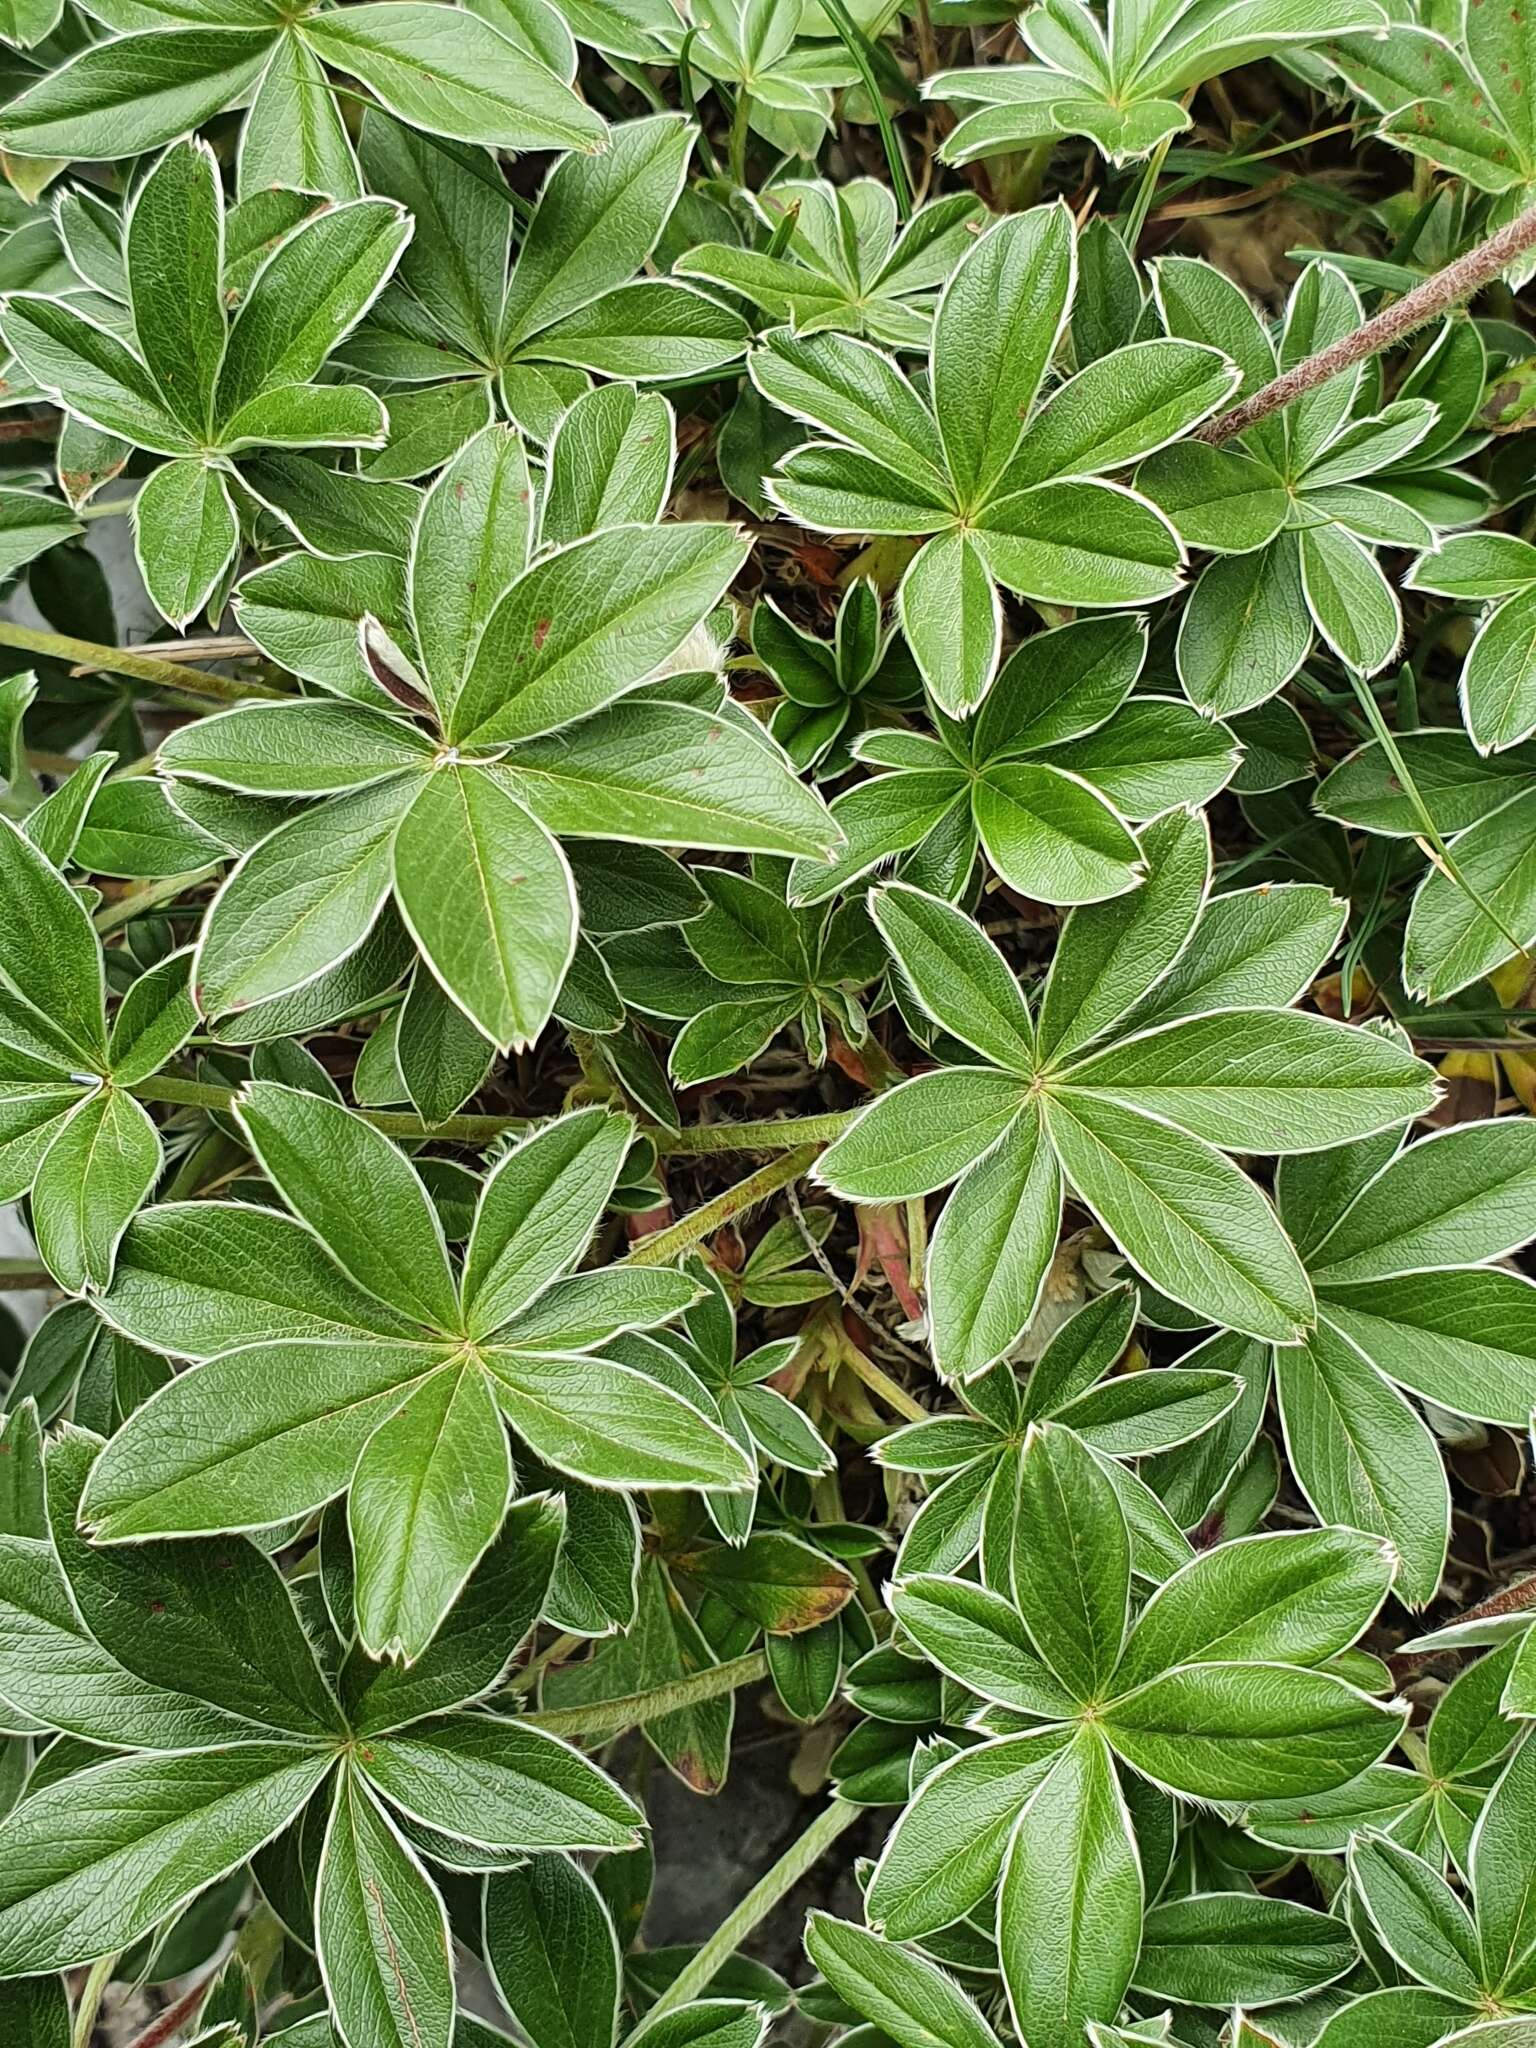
[(767, 953)]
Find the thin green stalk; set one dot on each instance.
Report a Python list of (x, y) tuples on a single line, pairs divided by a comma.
[(690, 103), (17, 1276), (1427, 826), (890, 142), (741, 115), (800, 1857), (611, 1717), (1141, 205), (146, 897), (131, 662), (766, 1136), (90, 2001), (665, 1245)]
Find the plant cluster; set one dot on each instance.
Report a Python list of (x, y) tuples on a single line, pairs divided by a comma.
[(751, 581)]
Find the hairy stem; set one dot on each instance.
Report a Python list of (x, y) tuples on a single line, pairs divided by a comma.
[(664, 1245), (605, 1718), (90, 2001), (1436, 295), (766, 1136), (801, 1855), (132, 662)]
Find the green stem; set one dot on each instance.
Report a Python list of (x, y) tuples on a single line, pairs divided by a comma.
[(1141, 205), (18, 1275), (1427, 826), (90, 2001), (858, 49), (769, 1135), (604, 1718), (665, 1245), (800, 1857), (127, 661), (146, 897), (740, 117)]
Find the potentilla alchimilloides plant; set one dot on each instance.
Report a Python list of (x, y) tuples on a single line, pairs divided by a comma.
[(766, 917)]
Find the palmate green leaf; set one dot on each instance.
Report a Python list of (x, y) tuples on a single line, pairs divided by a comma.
[(536, 1215), (1122, 408), (1422, 1922), (185, 537), (1186, 1218), (589, 622), (425, 1503), (1262, 945), (1451, 940), (610, 1424), (922, 1134), (1501, 1879), (383, 1932), (250, 1439), (316, 748), (1284, 1598), (595, 224), (1289, 1081), (1461, 1195), (990, 1254), (173, 246), (911, 2000), (1112, 954), (211, 1616), (359, 1195), (57, 1673), (470, 545), (294, 136), (455, 77), (199, 1278), (302, 900), (1246, 629), (90, 1182), (650, 329), (1355, 607), (313, 288), (306, 613), (29, 525), (652, 771), (1070, 1902), (494, 1782), (1052, 836), (946, 1851), (97, 1859), (1360, 1455), (1264, 1730), (979, 1639), (51, 957), (1071, 1562), (480, 1638), (994, 333), (1220, 1948), (1081, 541), (855, 393), (132, 92), (952, 617), (1464, 1339), (610, 463), (552, 1951), (486, 893), (960, 979)]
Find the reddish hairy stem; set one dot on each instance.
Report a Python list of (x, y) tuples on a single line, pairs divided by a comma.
[(1436, 295)]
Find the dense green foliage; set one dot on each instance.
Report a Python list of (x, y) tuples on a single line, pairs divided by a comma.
[(705, 608)]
